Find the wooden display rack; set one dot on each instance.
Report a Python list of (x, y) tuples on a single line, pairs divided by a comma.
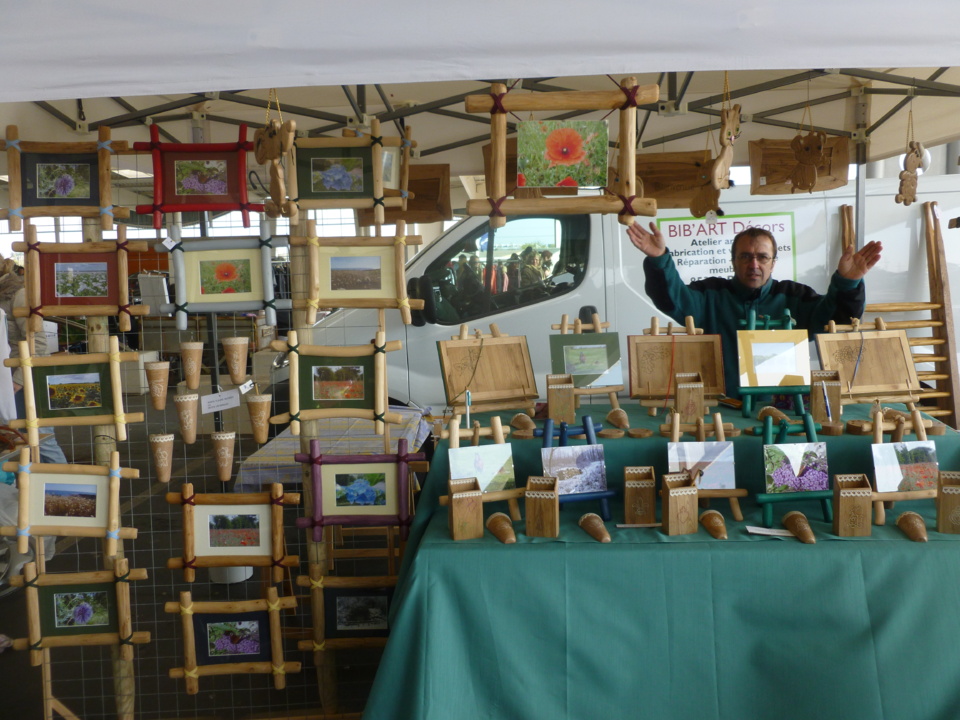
[(719, 433), (39, 258), (27, 512), (498, 102), (885, 500), (495, 368), (103, 148), (454, 434), (192, 670), (271, 505), (767, 500), (578, 328)]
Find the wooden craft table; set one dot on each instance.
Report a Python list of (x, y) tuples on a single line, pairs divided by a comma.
[(673, 628)]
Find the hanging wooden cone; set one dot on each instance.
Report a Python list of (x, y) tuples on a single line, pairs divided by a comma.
[(593, 525), (259, 408), (187, 406), (797, 523), (191, 357), (223, 443), (162, 448), (502, 528), (158, 377), (235, 351), (712, 520), (912, 526)]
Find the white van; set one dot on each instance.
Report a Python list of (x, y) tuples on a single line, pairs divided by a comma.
[(594, 265)]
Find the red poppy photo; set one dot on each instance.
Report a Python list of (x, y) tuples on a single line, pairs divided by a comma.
[(225, 276), (562, 153)]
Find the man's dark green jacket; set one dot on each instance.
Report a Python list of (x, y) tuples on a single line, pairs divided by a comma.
[(718, 304)]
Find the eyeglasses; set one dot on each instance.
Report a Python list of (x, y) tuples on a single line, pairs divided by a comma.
[(761, 258)]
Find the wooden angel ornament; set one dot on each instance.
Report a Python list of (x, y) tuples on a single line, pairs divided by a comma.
[(912, 161), (270, 144), (808, 151)]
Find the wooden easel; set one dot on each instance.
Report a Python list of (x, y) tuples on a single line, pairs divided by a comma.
[(563, 434), (704, 495), (902, 425), (747, 393), (941, 401), (578, 328)]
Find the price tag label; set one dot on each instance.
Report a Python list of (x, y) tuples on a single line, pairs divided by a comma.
[(169, 243), (219, 401), (774, 532), (246, 387)]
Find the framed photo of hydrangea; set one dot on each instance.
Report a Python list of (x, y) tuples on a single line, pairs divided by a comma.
[(198, 177), (335, 172), (61, 179), (796, 467), (359, 490)]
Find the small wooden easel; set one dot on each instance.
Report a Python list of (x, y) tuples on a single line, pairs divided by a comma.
[(902, 424), (563, 434), (578, 328)]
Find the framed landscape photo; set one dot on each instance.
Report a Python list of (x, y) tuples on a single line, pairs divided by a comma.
[(61, 179), (357, 612), (233, 529), (198, 177), (331, 173), (773, 358), (710, 464), (796, 467), (69, 501), (73, 391), (905, 466), (337, 382), (491, 465), (592, 359), (577, 468)]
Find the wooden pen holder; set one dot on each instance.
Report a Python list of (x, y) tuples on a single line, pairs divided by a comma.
[(542, 507), (852, 505), (639, 495), (948, 503), (466, 509), (561, 400), (679, 497)]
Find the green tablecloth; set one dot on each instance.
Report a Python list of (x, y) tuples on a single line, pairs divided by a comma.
[(685, 627)]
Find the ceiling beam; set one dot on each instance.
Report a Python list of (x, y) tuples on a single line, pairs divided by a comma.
[(426, 107), (292, 109), (143, 121), (389, 108), (147, 112), (758, 88), (899, 79), (62, 117), (902, 104), (782, 123), (357, 112)]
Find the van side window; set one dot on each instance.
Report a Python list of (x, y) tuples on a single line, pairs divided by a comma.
[(529, 260)]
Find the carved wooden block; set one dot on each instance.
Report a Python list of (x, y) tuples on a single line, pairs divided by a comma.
[(679, 498), (852, 505), (542, 507), (948, 503), (466, 509), (639, 495)]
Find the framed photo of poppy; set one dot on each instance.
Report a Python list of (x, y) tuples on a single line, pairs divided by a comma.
[(358, 490), (331, 173), (224, 275), (61, 179), (198, 177), (562, 153), (336, 382), (71, 609)]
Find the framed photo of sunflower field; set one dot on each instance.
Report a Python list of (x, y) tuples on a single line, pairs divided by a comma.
[(223, 275), (555, 153), (198, 177), (61, 179), (71, 609)]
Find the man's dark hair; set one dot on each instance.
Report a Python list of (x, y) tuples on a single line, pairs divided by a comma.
[(753, 233)]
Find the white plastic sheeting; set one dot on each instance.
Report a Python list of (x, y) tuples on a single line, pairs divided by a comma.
[(99, 48)]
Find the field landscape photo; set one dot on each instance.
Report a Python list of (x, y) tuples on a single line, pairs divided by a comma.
[(585, 359), (235, 637), (69, 500), (81, 609), (355, 489), (352, 272), (338, 382), (225, 277), (81, 279), (491, 465), (74, 390), (577, 468), (234, 531), (200, 177), (63, 180), (905, 466), (709, 463), (360, 612), (331, 175)]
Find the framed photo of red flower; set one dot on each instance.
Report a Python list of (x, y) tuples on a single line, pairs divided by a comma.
[(336, 382), (562, 153), (233, 274)]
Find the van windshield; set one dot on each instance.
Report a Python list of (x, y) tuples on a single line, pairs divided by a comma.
[(529, 260)]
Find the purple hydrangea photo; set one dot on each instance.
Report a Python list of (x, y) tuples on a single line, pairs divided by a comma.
[(799, 467), (241, 637), (81, 609)]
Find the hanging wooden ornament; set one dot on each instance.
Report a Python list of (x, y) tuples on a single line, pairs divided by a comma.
[(272, 143), (729, 132), (706, 197), (808, 152), (912, 161)]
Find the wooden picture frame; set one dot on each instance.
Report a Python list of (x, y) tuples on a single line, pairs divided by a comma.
[(198, 177), (788, 366), (357, 612), (106, 368), (45, 279), (651, 358), (561, 362), (358, 507), (243, 284), (497, 369), (259, 650), (301, 369), (26, 161), (356, 272), (885, 365), (79, 609), (772, 162), (258, 543), (623, 201), (427, 199), (362, 145), (69, 500)]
